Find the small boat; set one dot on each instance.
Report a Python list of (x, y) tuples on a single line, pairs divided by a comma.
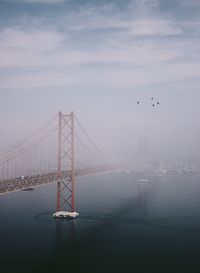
[(66, 214), (143, 180)]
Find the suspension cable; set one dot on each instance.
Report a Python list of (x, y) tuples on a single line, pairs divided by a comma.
[(89, 139), (86, 147), (26, 139)]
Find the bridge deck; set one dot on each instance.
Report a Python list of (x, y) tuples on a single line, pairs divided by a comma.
[(18, 184)]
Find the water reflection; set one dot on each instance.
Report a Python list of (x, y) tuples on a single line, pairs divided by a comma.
[(65, 233)]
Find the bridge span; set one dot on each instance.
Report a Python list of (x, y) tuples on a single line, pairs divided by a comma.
[(59, 152), (22, 183)]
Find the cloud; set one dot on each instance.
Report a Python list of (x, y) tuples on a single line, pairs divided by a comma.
[(150, 27), (37, 1), (32, 39), (191, 3), (100, 47), (146, 7), (139, 19), (112, 77), (155, 27), (51, 49)]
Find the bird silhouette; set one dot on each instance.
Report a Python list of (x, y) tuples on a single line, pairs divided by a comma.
[(154, 103)]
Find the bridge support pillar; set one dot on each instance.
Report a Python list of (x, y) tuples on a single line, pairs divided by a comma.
[(66, 185)]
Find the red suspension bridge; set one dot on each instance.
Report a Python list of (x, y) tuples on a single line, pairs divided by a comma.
[(48, 156)]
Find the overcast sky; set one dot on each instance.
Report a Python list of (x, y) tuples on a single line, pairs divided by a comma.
[(98, 58)]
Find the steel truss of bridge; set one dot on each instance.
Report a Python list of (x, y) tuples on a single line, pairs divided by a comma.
[(22, 183)]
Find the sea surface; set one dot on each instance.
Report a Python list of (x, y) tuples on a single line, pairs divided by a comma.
[(125, 225)]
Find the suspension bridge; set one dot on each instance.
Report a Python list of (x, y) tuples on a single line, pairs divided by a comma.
[(50, 156)]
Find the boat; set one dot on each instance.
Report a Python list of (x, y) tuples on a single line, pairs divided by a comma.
[(143, 180), (66, 214)]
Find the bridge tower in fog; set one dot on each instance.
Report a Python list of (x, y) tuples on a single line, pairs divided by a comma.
[(66, 186), (48, 156)]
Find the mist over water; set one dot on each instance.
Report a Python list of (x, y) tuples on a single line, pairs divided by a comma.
[(123, 226)]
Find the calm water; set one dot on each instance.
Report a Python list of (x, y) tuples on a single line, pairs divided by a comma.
[(122, 227)]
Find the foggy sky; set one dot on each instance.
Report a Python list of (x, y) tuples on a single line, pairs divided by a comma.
[(99, 58)]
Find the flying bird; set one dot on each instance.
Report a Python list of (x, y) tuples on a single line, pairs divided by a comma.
[(154, 103)]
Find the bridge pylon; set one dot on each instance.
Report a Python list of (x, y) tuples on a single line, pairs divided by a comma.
[(66, 184)]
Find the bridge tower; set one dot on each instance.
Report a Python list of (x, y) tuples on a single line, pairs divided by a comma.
[(66, 186)]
